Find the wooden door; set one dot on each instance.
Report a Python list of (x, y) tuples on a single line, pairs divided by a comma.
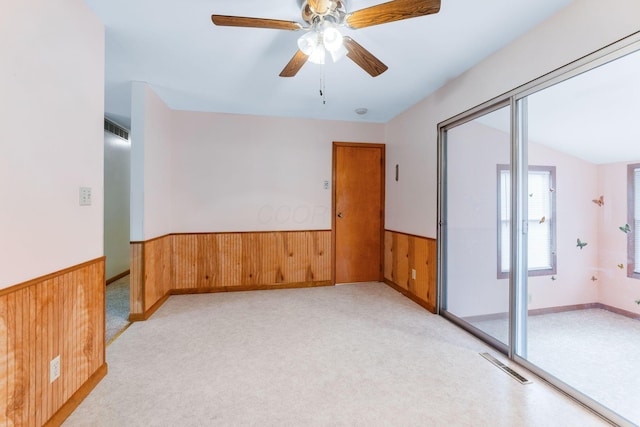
[(358, 211)]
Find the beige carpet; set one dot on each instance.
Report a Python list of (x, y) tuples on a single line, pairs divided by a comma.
[(347, 355), (595, 351), (117, 307)]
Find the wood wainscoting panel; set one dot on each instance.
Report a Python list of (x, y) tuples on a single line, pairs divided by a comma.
[(62, 314), (227, 260), (158, 278), (404, 253), (136, 281), (151, 275), (221, 262)]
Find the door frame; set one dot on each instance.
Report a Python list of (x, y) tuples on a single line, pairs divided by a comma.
[(383, 170)]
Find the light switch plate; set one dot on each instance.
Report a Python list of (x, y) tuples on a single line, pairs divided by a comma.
[(85, 196), (325, 184)]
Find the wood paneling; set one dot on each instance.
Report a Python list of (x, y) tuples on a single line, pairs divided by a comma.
[(151, 275), (157, 270), (136, 280), (220, 262), (405, 252), (59, 314)]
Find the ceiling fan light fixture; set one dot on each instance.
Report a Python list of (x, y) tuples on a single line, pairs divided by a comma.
[(308, 43), (339, 53), (332, 39), (318, 55)]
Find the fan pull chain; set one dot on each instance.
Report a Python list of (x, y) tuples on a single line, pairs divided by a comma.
[(323, 90)]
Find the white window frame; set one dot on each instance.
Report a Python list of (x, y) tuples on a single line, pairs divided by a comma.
[(503, 224)]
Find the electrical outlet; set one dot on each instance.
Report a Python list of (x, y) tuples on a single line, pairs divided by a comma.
[(54, 369), (413, 273), (530, 298)]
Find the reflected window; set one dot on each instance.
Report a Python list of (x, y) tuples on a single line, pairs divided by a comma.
[(541, 230), (633, 236)]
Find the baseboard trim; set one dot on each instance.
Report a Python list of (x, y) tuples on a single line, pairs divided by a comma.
[(139, 317), (76, 399), (424, 304), (563, 308), (620, 311), (558, 309), (244, 288), (118, 277)]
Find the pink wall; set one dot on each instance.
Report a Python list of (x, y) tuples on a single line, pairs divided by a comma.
[(577, 217), (252, 173), (211, 172), (51, 112), (473, 152), (615, 288)]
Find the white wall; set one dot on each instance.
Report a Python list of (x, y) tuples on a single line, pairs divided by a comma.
[(51, 116), (152, 139), (252, 173), (117, 164), (581, 28)]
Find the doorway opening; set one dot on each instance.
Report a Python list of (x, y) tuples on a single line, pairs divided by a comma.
[(117, 161)]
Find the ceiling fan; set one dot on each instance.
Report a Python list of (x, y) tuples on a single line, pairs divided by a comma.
[(323, 18)]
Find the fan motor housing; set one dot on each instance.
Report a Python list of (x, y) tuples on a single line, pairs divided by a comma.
[(335, 11)]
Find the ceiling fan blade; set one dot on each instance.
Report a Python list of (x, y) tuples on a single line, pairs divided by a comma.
[(292, 68), (243, 21), (392, 11), (364, 58)]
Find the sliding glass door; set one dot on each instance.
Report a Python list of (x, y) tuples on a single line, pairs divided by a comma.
[(582, 322), (540, 228), (478, 152)]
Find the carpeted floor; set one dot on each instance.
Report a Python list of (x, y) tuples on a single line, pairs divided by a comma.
[(595, 351), (117, 307), (347, 355)]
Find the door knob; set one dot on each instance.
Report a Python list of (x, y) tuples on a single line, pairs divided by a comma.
[(339, 214)]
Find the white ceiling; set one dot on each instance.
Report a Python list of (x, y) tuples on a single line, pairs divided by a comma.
[(194, 65), (593, 116)]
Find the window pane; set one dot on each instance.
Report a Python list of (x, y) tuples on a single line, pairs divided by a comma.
[(473, 292), (539, 245), (540, 226)]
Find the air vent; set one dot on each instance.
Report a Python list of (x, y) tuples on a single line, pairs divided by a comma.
[(113, 128), (505, 368)]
